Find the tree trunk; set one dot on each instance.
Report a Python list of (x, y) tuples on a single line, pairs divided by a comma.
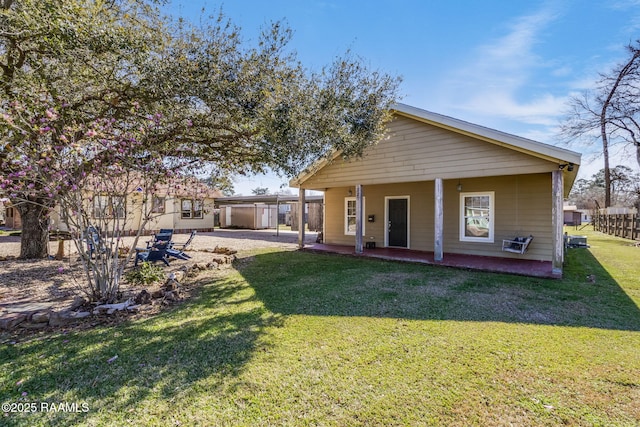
[(607, 169), (34, 242), (626, 70)]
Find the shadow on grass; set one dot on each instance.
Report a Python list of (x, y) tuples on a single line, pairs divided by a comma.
[(199, 343), (330, 285), (202, 344), (266, 235)]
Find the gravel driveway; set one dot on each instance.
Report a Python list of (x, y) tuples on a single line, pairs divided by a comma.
[(49, 280), (239, 240)]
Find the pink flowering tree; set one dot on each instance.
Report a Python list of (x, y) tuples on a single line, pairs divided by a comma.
[(87, 171)]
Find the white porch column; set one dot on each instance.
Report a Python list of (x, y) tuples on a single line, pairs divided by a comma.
[(358, 218), (301, 222), (557, 221), (438, 220)]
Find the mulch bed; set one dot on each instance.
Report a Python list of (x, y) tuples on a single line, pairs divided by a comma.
[(59, 283)]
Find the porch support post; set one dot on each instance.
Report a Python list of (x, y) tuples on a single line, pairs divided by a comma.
[(359, 218), (438, 221), (557, 184), (301, 222)]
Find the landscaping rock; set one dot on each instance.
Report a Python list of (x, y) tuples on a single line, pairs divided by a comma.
[(171, 296), (40, 317), (171, 285), (180, 275), (143, 297), (62, 318), (112, 308), (224, 251), (77, 303), (11, 320)]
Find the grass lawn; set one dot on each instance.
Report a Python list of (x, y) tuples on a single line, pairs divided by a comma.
[(295, 338)]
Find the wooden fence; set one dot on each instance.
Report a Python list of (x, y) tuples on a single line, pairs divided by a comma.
[(622, 225)]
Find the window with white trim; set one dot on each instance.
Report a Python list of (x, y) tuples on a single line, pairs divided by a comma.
[(476, 217), (350, 216), (191, 208)]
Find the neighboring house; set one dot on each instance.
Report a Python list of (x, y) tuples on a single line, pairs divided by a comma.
[(10, 216), (586, 216), (186, 209), (575, 217), (448, 186), (2, 210), (571, 215)]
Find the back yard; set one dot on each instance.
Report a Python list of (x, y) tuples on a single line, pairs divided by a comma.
[(294, 338)]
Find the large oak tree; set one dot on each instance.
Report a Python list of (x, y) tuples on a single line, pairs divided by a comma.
[(213, 96)]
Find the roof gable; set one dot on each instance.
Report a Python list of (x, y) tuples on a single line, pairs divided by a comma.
[(421, 145), (518, 143)]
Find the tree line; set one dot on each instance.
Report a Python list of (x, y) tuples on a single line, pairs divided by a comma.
[(609, 114), (589, 193)]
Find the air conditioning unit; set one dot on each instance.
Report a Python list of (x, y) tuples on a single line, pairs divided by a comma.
[(577, 242)]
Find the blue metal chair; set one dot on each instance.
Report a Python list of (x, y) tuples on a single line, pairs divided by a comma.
[(157, 252), (185, 245), (180, 253), (94, 241), (163, 236)]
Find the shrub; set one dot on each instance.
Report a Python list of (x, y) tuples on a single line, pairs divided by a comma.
[(145, 274)]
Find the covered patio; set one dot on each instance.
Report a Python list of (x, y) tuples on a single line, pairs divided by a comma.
[(522, 267)]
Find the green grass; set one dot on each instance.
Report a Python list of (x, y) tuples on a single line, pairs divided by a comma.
[(305, 339)]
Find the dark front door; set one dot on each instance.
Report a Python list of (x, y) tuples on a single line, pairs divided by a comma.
[(397, 226)]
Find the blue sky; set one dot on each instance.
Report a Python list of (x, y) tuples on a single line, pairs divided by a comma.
[(510, 66)]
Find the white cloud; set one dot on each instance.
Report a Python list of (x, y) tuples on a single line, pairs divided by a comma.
[(497, 80)]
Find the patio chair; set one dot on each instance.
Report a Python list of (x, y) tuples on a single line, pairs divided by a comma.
[(157, 252), (164, 235), (177, 254), (178, 249), (94, 241), (518, 245), (185, 245)]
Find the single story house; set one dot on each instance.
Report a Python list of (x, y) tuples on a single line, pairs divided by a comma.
[(575, 217), (184, 209), (9, 216), (444, 185)]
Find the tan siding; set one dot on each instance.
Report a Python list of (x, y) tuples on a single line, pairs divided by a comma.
[(204, 223), (334, 217), (522, 207), (416, 150)]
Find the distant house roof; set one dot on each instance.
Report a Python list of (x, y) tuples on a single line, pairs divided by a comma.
[(528, 146), (186, 187), (267, 198)]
